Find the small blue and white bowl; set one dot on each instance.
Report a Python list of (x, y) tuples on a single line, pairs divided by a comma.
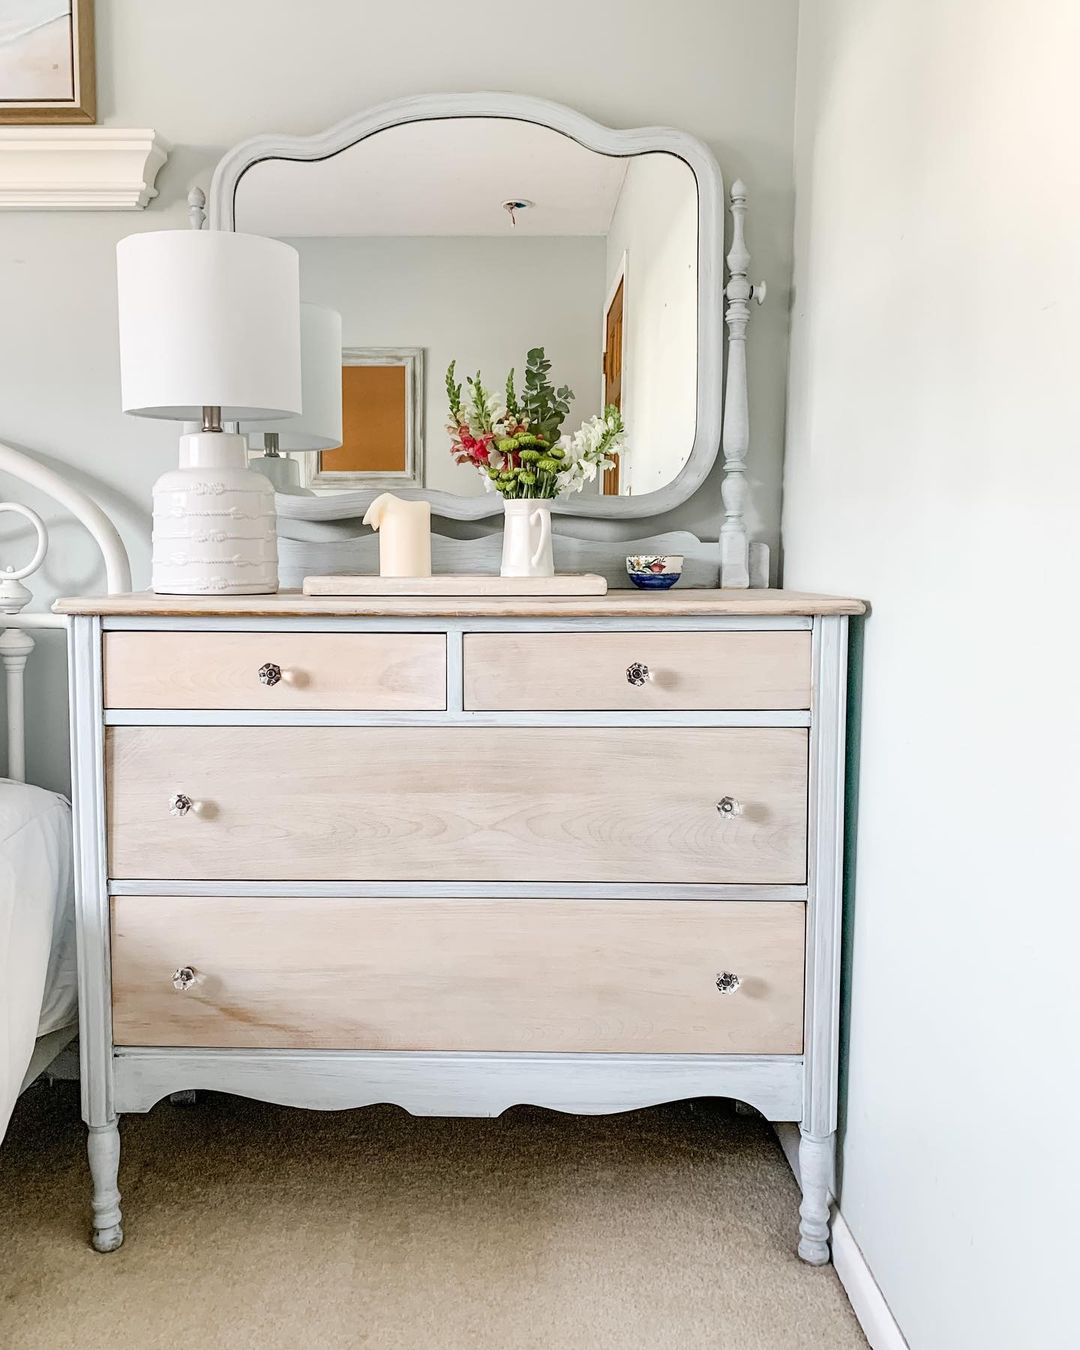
[(655, 571)]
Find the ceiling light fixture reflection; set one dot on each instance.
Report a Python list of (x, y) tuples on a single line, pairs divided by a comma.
[(515, 204)]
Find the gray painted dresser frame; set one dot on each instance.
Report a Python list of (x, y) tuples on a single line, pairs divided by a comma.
[(797, 1088)]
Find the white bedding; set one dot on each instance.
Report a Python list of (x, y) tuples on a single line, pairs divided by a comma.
[(38, 990)]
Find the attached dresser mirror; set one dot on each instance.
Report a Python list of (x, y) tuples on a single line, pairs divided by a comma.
[(568, 266)]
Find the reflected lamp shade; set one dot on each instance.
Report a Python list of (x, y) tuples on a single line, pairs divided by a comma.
[(208, 319), (318, 427), (210, 332)]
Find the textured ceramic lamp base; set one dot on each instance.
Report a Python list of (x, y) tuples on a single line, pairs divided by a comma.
[(215, 530)]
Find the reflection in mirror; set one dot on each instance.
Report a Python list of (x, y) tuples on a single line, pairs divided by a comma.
[(477, 240), (382, 422)]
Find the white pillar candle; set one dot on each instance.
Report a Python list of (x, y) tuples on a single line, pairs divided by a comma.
[(404, 535)]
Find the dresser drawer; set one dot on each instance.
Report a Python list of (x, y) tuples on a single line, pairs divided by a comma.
[(550, 975), (280, 671), (644, 671), (604, 804)]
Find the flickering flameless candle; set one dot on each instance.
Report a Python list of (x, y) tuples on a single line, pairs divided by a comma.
[(404, 535)]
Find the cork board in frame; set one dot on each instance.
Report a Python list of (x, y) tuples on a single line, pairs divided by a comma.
[(387, 452)]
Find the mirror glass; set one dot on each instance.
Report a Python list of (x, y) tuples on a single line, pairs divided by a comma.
[(513, 252)]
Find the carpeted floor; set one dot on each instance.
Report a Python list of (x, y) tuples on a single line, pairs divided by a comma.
[(257, 1226)]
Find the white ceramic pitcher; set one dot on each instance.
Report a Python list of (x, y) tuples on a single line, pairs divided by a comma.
[(526, 538)]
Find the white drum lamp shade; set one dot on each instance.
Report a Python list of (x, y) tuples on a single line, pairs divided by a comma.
[(319, 426), (210, 331), (208, 319)]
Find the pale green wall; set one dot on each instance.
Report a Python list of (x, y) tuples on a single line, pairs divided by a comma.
[(933, 466)]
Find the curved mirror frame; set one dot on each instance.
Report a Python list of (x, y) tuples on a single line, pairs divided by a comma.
[(593, 136)]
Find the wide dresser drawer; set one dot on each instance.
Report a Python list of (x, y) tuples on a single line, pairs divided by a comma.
[(388, 672), (483, 975), (589, 804), (637, 671)]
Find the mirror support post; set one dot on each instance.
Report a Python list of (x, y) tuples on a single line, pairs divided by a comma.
[(196, 208), (734, 545)]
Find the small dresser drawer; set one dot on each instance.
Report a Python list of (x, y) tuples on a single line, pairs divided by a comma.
[(644, 671), (542, 975), (390, 672), (603, 804)]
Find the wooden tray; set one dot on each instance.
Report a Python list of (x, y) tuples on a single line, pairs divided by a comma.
[(587, 584)]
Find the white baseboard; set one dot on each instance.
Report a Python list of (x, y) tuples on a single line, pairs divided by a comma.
[(866, 1299)]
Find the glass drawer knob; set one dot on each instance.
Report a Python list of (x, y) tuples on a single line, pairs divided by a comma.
[(729, 807), (180, 804), (269, 674), (184, 978), (727, 982), (637, 674)]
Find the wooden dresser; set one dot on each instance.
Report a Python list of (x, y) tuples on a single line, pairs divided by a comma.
[(459, 855)]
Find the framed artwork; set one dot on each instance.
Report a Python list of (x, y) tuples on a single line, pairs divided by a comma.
[(382, 417), (47, 61)]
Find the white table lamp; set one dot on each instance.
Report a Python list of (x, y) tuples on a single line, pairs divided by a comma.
[(210, 332), (319, 426)]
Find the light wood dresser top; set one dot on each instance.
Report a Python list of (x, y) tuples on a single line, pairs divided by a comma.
[(614, 605)]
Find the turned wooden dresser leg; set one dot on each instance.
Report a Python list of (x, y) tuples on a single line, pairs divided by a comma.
[(103, 1150), (815, 1169)]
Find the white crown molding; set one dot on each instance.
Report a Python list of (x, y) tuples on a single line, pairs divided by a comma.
[(78, 168)]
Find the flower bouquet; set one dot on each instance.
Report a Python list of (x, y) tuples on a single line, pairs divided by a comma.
[(516, 444)]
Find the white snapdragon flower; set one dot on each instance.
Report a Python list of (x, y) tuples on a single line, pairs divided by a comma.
[(587, 452), (481, 416)]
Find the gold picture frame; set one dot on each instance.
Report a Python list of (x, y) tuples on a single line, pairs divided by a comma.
[(47, 71)]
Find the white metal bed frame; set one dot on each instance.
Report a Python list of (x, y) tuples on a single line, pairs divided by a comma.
[(17, 644)]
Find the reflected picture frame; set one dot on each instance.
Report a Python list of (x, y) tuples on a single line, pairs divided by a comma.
[(322, 480), (50, 43)]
